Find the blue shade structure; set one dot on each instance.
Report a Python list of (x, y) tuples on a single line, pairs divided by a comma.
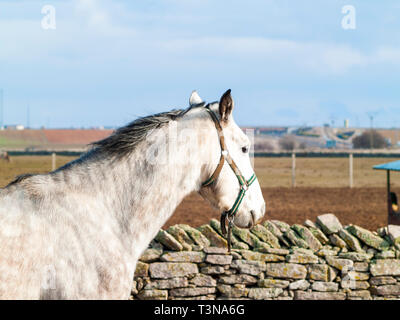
[(392, 203)]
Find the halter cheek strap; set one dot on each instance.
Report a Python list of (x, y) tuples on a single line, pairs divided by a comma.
[(244, 184)]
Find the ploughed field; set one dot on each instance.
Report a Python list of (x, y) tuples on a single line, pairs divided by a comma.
[(365, 207), (322, 187)]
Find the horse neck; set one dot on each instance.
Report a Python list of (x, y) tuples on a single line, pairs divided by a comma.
[(142, 190)]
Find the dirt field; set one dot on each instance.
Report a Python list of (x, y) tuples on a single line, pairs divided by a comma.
[(31, 164), (365, 207), (322, 186), (48, 138)]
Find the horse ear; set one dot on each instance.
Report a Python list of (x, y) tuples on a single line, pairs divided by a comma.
[(226, 106), (194, 98)]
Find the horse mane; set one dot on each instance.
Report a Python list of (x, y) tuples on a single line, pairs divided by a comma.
[(20, 178), (125, 139)]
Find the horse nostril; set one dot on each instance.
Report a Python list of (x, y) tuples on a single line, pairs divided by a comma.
[(254, 217)]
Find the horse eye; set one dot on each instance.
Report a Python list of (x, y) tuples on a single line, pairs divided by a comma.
[(245, 149)]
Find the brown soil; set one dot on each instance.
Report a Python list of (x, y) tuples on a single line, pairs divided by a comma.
[(53, 137), (78, 137), (365, 207)]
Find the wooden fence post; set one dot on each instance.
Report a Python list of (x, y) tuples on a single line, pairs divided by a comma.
[(293, 169), (53, 161), (351, 170)]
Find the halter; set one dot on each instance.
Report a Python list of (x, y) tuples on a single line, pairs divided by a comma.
[(244, 184)]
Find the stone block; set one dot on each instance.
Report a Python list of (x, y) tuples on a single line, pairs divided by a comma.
[(286, 270), (165, 270), (329, 223)]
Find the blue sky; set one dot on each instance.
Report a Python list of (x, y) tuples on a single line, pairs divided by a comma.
[(287, 62)]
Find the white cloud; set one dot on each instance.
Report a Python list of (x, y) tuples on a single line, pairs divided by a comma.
[(91, 29), (84, 31), (93, 13), (387, 54), (314, 56)]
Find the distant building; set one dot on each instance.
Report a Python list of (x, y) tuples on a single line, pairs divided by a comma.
[(14, 127), (273, 131), (330, 144)]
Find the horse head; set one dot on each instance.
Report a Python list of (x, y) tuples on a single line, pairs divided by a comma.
[(232, 186)]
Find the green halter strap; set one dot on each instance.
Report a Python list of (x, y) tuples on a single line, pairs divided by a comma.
[(244, 184)]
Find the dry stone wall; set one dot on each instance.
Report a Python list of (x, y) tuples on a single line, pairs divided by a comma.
[(314, 261)]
